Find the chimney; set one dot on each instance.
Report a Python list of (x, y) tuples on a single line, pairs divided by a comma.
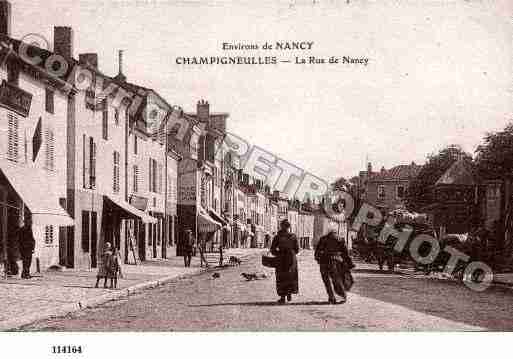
[(369, 168), (90, 59), (63, 41), (203, 110), (5, 18), (120, 76)]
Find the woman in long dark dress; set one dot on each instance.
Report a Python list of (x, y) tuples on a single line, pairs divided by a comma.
[(285, 246)]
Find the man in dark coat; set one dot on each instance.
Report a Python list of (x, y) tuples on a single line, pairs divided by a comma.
[(285, 246), (188, 248), (27, 245), (332, 255)]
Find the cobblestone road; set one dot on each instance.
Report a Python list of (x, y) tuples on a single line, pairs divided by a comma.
[(378, 301)]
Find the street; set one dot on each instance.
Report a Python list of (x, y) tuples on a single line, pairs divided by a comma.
[(377, 302)]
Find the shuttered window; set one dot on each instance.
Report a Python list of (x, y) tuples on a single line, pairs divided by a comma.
[(85, 162), (136, 179), (49, 100), (92, 163), (116, 173), (154, 177), (160, 178), (13, 137), (105, 120), (49, 149), (89, 162)]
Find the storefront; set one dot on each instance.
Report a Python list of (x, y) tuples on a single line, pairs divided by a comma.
[(27, 190), (119, 217)]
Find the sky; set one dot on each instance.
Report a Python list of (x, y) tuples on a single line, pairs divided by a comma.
[(439, 72)]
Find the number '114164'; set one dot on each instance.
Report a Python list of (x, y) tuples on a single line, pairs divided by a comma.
[(66, 349)]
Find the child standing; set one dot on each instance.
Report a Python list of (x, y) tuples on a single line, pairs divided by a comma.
[(104, 267), (115, 269)]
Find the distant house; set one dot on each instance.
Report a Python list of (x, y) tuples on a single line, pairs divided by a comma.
[(387, 189)]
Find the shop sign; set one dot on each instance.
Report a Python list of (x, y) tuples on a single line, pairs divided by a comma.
[(15, 99)]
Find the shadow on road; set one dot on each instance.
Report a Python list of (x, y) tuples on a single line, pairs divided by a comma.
[(441, 298), (376, 271), (261, 304)]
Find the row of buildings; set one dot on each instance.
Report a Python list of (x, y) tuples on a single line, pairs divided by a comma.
[(91, 167), (460, 202)]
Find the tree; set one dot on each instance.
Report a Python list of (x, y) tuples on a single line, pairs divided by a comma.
[(420, 192), (494, 158)]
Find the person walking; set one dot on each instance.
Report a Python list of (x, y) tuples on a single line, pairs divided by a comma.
[(333, 258), (285, 247), (188, 248), (105, 266), (27, 245)]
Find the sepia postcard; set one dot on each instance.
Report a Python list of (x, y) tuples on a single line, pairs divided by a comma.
[(235, 166)]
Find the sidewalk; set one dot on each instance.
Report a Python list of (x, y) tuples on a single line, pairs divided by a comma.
[(59, 293)]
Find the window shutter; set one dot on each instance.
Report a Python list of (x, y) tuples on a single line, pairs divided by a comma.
[(92, 162), (50, 147), (160, 172), (136, 179), (150, 168), (86, 161), (49, 101), (116, 172), (13, 137), (105, 120)]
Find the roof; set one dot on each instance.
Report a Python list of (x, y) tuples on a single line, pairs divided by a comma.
[(401, 172), (460, 173)]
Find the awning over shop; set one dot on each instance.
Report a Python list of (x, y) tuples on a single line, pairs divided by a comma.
[(36, 191), (206, 223), (218, 217), (130, 211)]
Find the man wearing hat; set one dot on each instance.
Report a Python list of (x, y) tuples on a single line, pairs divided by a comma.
[(333, 258), (285, 247), (188, 248)]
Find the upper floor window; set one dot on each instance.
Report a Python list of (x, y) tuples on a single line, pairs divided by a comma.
[(13, 137), (135, 145), (381, 192), (136, 179), (89, 162), (49, 100), (160, 172), (400, 192), (13, 73), (49, 149), (194, 146), (116, 117), (105, 120), (155, 179), (116, 176)]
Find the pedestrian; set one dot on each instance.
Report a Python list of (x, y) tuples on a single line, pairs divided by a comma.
[(105, 265), (188, 248), (27, 245), (332, 255), (285, 247), (114, 270), (267, 240)]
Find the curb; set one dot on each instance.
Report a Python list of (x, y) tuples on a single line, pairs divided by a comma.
[(13, 324)]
